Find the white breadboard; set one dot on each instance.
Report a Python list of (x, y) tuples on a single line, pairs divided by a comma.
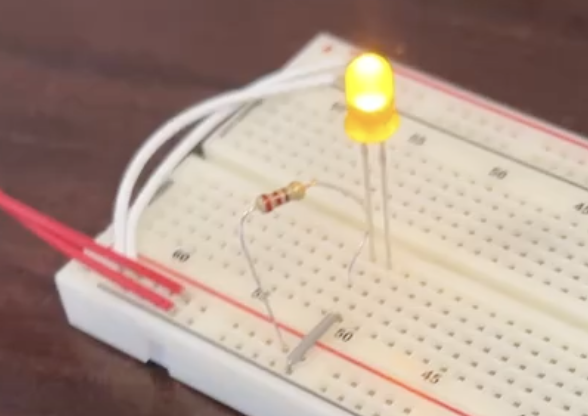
[(482, 314)]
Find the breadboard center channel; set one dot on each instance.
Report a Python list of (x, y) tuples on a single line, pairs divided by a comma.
[(482, 312)]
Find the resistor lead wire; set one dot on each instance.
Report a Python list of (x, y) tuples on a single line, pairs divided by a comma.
[(264, 296), (266, 203)]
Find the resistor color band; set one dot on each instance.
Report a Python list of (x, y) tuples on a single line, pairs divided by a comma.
[(268, 202)]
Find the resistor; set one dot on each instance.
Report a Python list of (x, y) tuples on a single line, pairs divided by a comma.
[(268, 202)]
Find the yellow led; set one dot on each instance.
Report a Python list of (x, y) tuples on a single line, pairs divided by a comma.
[(369, 89)]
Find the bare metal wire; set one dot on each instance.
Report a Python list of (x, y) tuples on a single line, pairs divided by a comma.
[(385, 210), (367, 232), (367, 204), (264, 295)]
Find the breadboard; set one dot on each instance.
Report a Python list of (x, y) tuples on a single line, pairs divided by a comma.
[(481, 313)]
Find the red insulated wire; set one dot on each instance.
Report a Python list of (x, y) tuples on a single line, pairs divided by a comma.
[(118, 278), (73, 244), (28, 215)]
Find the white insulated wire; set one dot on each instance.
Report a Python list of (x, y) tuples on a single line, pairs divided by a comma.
[(218, 108), (187, 144)]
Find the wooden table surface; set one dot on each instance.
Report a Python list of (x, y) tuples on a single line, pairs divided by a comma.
[(82, 82)]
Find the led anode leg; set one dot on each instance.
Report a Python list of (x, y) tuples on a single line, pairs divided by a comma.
[(385, 213), (368, 199)]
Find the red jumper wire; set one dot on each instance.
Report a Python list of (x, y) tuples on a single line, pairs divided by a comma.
[(75, 245)]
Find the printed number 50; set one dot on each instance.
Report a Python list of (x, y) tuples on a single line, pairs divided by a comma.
[(344, 335), (498, 173)]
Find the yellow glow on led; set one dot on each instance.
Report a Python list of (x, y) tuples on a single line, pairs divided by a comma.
[(369, 89)]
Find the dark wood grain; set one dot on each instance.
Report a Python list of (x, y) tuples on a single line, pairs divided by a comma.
[(82, 82)]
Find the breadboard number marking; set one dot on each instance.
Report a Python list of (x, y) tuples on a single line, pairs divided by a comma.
[(417, 139), (498, 173), (344, 334), (582, 208), (181, 255), (431, 376)]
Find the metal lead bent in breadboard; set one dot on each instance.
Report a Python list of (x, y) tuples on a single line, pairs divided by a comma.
[(425, 326)]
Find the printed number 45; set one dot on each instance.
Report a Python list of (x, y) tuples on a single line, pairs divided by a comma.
[(431, 377)]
